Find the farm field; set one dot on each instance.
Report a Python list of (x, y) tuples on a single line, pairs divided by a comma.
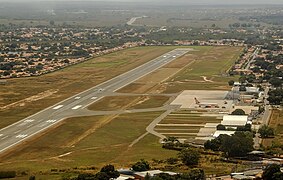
[(99, 140)]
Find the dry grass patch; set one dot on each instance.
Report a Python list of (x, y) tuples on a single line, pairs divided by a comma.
[(104, 145), (276, 122), (70, 81)]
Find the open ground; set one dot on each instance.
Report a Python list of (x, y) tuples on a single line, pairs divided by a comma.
[(276, 123), (98, 140)]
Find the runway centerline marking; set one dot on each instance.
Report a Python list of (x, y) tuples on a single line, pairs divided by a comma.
[(29, 120), (58, 107), (17, 131), (4, 137), (77, 107)]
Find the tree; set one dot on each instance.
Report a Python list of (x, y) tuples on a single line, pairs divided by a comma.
[(189, 157), (194, 174), (100, 176), (52, 23), (266, 131), (110, 171), (275, 97), (231, 83), (215, 144), (271, 172), (237, 145), (32, 178), (242, 88), (247, 127), (275, 82), (142, 165), (7, 174), (238, 112), (220, 127)]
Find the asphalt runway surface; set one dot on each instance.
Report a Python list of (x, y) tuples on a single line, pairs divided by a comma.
[(75, 106)]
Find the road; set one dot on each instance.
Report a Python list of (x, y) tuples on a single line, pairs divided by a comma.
[(252, 58), (133, 20), (75, 106)]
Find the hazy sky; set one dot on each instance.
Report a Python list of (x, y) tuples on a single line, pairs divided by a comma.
[(174, 1)]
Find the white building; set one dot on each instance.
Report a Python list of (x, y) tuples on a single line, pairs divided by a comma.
[(218, 133), (234, 120)]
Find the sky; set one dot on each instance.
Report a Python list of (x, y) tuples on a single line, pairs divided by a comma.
[(174, 1)]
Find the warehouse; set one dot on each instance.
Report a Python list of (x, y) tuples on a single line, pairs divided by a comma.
[(235, 120)]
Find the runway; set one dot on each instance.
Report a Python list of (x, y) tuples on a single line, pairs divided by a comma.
[(75, 106)]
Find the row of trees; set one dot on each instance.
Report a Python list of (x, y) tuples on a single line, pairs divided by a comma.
[(106, 173), (193, 174), (237, 145)]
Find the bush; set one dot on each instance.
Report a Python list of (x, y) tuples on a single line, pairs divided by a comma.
[(238, 112), (142, 165), (266, 131), (7, 174), (220, 127), (189, 157)]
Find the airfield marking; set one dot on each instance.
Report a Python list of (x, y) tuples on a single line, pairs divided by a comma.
[(51, 121), (4, 137), (77, 107), (58, 107), (21, 136), (17, 132)]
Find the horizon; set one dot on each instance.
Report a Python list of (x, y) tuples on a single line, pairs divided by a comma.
[(167, 2)]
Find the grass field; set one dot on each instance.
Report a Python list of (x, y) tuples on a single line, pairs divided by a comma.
[(59, 85), (276, 122), (189, 71), (128, 102), (108, 143), (96, 141)]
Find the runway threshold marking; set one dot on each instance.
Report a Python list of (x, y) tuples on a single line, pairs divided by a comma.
[(21, 136), (58, 107), (51, 121), (77, 107)]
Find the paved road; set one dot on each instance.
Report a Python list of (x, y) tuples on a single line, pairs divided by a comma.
[(75, 106), (252, 58), (133, 20)]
